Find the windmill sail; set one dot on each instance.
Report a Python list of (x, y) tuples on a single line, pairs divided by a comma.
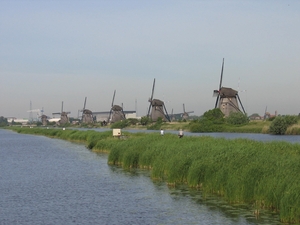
[(227, 98), (116, 112), (64, 115), (157, 108), (185, 115), (87, 115)]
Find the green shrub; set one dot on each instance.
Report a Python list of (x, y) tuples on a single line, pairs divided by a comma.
[(290, 120), (157, 125), (133, 121), (204, 125), (120, 124), (237, 118), (145, 120), (3, 121), (211, 121), (215, 115), (278, 126)]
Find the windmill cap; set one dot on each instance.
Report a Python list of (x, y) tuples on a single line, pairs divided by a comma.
[(157, 102), (228, 92), (117, 108)]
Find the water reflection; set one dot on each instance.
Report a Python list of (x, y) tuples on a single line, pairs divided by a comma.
[(256, 137)]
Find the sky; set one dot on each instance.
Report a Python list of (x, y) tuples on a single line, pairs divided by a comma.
[(65, 50)]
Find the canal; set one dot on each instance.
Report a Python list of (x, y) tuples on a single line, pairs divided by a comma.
[(50, 181)]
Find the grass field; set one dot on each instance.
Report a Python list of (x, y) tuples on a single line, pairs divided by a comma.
[(256, 126)]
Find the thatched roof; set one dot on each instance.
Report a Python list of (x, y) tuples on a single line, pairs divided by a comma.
[(157, 102), (86, 111), (227, 92), (117, 108)]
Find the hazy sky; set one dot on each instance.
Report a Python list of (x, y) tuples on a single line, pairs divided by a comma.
[(54, 51)]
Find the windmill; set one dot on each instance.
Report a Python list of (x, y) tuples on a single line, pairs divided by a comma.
[(227, 98), (185, 115), (44, 119), (63, 115), (116, 112), (157, 107), (87, 115)]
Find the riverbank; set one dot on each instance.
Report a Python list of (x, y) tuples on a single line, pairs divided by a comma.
[(260, 126), (265, 175)]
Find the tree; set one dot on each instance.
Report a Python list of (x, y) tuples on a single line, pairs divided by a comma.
[(157, 125), (3, 121), (214, 115), (145, 120), (290, 120), (237, 118), (120, 124), (278, 125), (211, 121)]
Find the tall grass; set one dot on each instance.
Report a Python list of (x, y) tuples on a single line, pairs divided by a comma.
[(293, 130), (265, 175), (261, 174)]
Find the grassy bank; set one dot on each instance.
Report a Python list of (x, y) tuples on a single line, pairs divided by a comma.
[(258, 126), (265, 175)]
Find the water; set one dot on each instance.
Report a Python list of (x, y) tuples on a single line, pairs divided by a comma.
[(50, 181), (252, 136)]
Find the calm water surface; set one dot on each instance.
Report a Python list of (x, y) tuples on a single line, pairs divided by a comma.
[(256, 137), (50, 181)]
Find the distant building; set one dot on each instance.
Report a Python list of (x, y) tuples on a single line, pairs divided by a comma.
[(16, 120), (269, 115)]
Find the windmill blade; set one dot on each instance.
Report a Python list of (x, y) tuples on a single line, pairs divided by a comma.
[(149, 109), (151, 98), (152, 89), (216, 93), (84, 103), (123, 113), (113, 99), (221, 75), (167, 115), (83, 109), (218, 97), (108, 119), (233, 105), (265, 115), (62, 106), (266, 109), (183, 108), (241, 103)]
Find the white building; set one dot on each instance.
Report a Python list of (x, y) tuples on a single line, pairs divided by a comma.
[(16, 120)]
